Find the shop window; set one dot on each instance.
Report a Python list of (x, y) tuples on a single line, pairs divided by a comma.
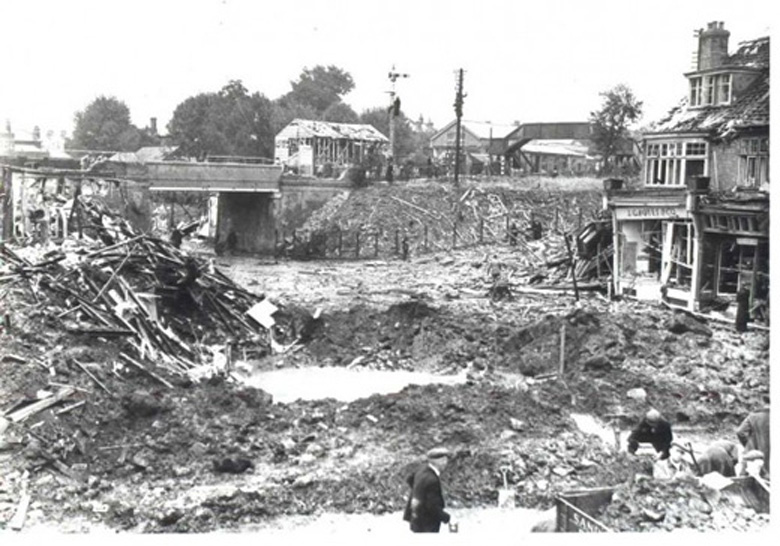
[(679, 268), (651, 246), (735, 267)]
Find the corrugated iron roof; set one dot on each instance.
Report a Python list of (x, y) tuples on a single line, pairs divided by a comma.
[(306, 128)]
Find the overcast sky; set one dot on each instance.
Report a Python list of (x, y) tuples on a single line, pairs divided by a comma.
[(525, 61)]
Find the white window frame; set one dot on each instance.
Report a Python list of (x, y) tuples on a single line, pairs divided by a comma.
[(710, 90), (668, 160), (696, 90), (724, 89), (753, 151)]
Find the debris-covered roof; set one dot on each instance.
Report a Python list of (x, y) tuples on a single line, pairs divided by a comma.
[(306, 128), (751, 53), (749, 109)]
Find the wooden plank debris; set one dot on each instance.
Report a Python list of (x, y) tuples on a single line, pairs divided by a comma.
[(36, 407), (91, 376)]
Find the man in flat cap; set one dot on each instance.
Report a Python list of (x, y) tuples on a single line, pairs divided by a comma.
[(655, 430), (425, 506)]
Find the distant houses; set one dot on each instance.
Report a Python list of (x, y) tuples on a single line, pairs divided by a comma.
[(554, 148)]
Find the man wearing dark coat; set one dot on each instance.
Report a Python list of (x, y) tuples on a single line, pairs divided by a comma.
[(753, 433), (425, 506), (655, 430)]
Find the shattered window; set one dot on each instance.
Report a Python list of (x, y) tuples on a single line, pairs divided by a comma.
[(673, 163), (695, 91), (680, 267), (724, 89), (735, 267), (709, 90), (754, 161)]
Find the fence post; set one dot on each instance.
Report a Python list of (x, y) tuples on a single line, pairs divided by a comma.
[(341, 236), (357, 244), (376, 243), (481, 230)]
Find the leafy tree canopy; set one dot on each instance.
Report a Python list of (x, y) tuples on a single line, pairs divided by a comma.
[(105, 125), (340, 112), (228, 122), (319, 88), (619, 109)]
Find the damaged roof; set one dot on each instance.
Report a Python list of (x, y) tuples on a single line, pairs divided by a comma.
[(306, 128), (749, 109), (752, 53)]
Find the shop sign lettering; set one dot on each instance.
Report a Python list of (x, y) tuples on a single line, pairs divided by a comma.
[(638, 213)]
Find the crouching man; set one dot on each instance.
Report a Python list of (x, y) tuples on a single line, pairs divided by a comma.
[(655, 430), (425, 506)]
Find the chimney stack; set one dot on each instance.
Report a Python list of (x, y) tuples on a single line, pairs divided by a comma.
[(713, 46), (153, 125)]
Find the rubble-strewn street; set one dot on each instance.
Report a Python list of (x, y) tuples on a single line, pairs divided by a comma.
[(122, 415)]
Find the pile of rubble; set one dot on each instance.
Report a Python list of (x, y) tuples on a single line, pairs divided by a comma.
[(378, 221), (655, 505), (114, 283)]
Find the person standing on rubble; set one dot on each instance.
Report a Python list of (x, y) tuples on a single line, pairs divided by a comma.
[(425, 505), (753, 433), (655, 430)]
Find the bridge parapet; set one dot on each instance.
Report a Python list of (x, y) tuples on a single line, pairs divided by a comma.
[(212, 177)]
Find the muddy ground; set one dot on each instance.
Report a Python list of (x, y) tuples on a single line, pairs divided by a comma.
[(216, 454)]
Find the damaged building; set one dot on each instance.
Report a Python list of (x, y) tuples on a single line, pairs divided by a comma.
[(323, 148), (696, 233)]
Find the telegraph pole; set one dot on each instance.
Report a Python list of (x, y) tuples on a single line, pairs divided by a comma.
[(458, 115), (394, 110)]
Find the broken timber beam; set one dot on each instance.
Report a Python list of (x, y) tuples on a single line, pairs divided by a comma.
[(141, 367), (92, 377), (36, 407)]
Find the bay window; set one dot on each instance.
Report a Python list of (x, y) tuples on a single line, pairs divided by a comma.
[(672, 163)]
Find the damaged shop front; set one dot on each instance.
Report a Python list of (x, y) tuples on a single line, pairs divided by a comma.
[(692, 249), (655, 246), (735, 252)]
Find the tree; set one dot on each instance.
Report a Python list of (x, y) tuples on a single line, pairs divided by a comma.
[(610, 124), (379, 118), (319, 87), (340, 112), (228, 122), (105, 125)]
